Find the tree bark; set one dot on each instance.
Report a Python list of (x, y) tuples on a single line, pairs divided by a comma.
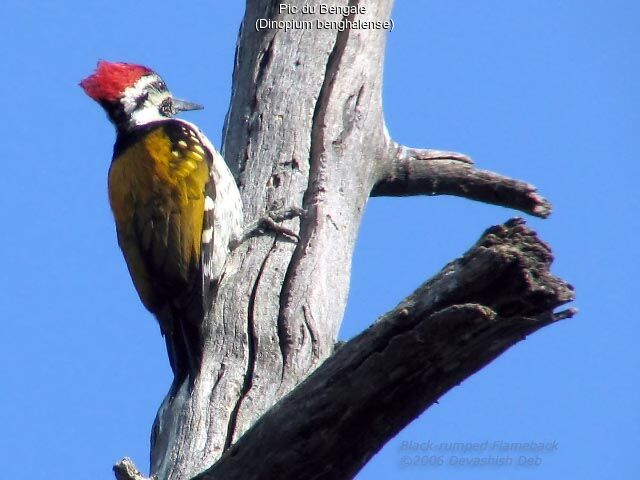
[(305, 129)]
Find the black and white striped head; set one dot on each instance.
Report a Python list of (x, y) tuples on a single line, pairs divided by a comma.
[(132, 95)]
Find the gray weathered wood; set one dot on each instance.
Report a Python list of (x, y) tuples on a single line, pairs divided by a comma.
[(411, 171), (305, 129), (450, 327)]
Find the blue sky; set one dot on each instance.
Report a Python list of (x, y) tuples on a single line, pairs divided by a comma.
[(542, 91)]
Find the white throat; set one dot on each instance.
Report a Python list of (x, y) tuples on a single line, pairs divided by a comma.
[(145, 114)]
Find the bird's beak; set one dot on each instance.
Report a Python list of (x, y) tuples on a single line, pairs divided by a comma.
[(181, 105)]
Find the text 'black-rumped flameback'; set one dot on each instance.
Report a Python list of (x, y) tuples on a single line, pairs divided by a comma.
[(176, 205)]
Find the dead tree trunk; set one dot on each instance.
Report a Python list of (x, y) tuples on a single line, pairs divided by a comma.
[(305, 129)]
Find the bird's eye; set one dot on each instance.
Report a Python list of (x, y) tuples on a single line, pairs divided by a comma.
[(161, 86)]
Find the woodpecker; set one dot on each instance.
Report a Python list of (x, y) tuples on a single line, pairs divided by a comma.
[(176, 205)]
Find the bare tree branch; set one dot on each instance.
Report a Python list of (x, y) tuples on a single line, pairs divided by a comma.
[(410, 171), (473, 310), (305, 129)]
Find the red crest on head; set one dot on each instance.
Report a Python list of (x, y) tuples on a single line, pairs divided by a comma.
[(111, 78)]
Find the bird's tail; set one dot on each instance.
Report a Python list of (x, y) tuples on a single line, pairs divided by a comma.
[(181, 330)]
